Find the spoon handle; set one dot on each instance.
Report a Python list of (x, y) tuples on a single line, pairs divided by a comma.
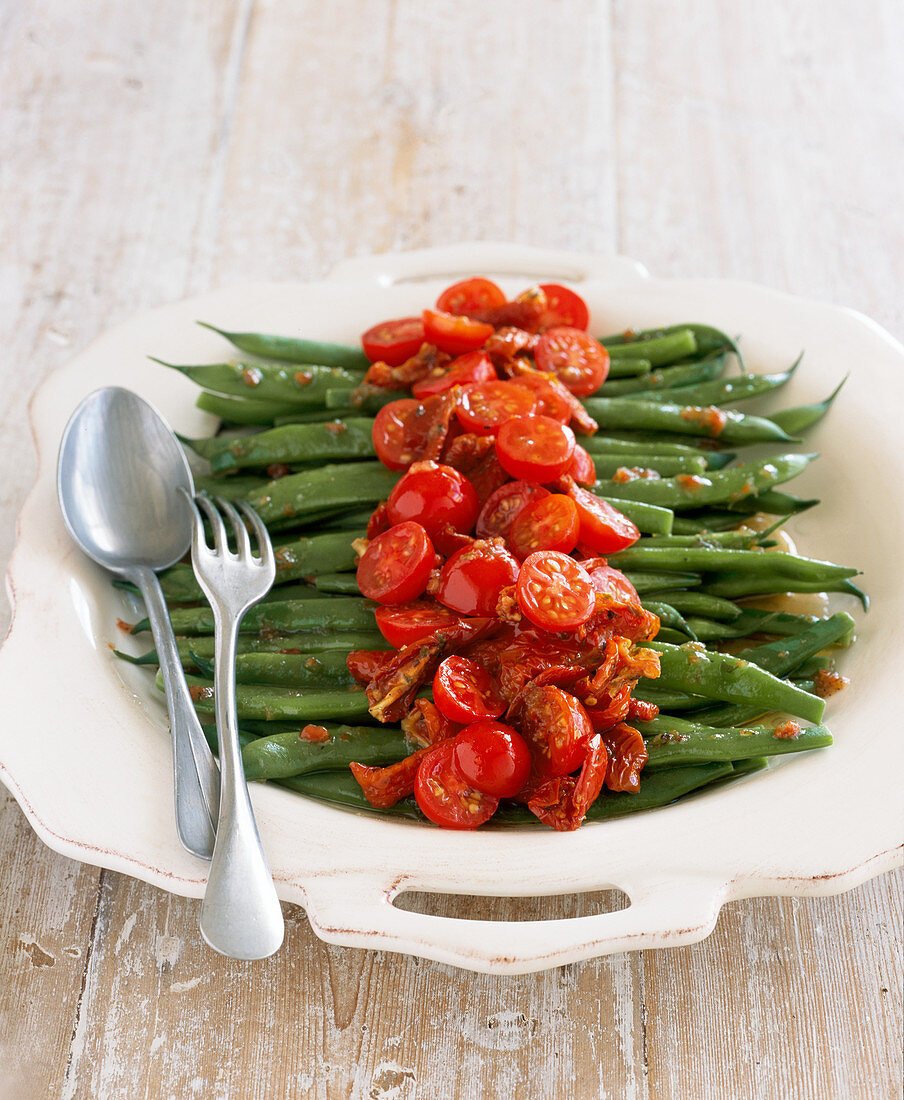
[(196, 775), (240, 915)]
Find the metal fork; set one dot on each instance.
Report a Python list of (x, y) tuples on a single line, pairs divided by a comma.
[(240, 915)]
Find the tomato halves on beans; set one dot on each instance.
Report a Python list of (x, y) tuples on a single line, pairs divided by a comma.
[(475, 366), (550, 400), (394, 437), (456, 335), (576, 359), (502, 506), (395, 566), (550, 523), (492, 757), (603, 528), (470, 296), (404, 624), (556, 728), (564, 307), (393, 342), (484, 407), (471, 580), (445, 797), (463, 691), (534, 448), (554, 591), (437, 497)]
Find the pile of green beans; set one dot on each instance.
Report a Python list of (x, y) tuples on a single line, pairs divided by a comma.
[(662, 457)]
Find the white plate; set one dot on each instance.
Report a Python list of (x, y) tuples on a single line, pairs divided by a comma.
[(84, 748)]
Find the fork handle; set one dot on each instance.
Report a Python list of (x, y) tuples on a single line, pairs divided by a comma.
[(196, 779), (240, 915)]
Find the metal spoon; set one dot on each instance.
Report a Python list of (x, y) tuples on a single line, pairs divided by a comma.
[(119, 472)]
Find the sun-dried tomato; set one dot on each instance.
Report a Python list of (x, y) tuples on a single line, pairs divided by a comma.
[(627, 756), (365, 664), (426, 726), (384, 787), (563, 803)]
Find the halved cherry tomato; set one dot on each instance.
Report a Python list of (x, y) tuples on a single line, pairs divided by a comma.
[(501, 507), (564, 307), (475, 366), (603, 528), (464, 691), (554, 591), (549, 401), (472, 579), (550, 523), (437, 497), (445, 797), (582, 468), (611, 582), (556, 728), (405, 624), (395, 566), (394, 438), (471, 295), (456, 335), (485, 407), (576, 359), (492, 757), (393, 342), (534, 448)]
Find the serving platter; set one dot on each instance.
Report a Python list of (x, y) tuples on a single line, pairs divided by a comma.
[(85, 750)]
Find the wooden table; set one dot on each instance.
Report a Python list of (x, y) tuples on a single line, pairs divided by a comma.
[(151, 151)]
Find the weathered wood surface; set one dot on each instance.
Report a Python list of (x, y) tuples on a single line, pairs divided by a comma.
[(148, 151)]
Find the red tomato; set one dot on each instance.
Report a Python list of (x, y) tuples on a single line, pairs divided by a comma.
[(492, 757), (564, 307), (556, 728), (437, 497), (603, 528), (549, 401), (394, 437), (476, 366), (582, 467), (393, 342), (611, 582), (554, 591), (576, 359), (470, 296), (456, 335), (502, 506), (484, 407), (402, 625), (395, 566), (550, 523), (463, 691), (471, 580), (445, 797), (534, 448)]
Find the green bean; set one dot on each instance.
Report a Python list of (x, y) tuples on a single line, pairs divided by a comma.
[(743, 539), (242, 411), (718, 486), (325, 442), (798, 420), (659, 440), (665, 465), (727, 425), (693, 668), (708, 339), (667, 378), (325, 615), (724, 391), (737, 585), (676, 742), (661, 582), (650, 518), (281, 704), (711, 559), (673, 637), (345, 641), (295, 350), (625, 368), (631, 448), (669, 699), (773, 503), (369, 399), (716, 460), (750, 621), (299, 670), (670, 617), (340, 584), (702, 604), (281, 755), (334, 486), (302, 387), (349, 521), (666, 348), (230, 488)]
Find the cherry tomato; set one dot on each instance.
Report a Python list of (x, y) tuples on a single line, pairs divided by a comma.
[(485, 407), (492, 757), (463, 691), (534, 448), (502, 506), (393, 342), (550, 402), (445, 797), (394, 437), (437, 497), (582, 467), (564, 307), (603, 528), (456, 335), (471, 295), (611, 582), (471, 580), (576, 359), (395, 566), (556, 728), (475, 366), (554, 591), (404, 624), (550, 523)]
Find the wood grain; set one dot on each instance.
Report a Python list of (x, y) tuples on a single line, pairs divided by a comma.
[(152, 151)]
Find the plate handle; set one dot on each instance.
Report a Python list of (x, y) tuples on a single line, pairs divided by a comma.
[(357, 912), (489, 258)]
